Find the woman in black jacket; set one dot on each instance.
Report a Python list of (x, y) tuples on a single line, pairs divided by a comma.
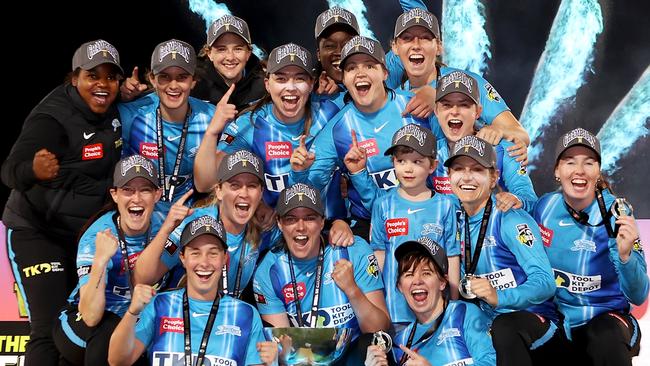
[(59, 170)]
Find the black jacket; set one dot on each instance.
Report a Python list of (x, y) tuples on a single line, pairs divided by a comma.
[(211, 86), (87, 146)]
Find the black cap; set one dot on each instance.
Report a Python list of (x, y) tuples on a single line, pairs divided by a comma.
[(429, 247), (458, 82), (365, 45), (577, 137), (203, 225), (416, 137), (134, 166), (290, 54), (228, 24), (335, 16), (94, 53), (241, 161), (476, 148), (299, 195), (173, 53), (417, 16)]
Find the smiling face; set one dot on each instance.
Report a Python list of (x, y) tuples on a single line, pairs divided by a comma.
[(173, 86), (301, 228), (329, 51), (98, 87), (238, 198), (471, 182), (229, 54), (289, 88), (203, 259), (418, 49), (412, 169), (422, 286), (364, 78), (579, 171), (457, 113), (135, 203)]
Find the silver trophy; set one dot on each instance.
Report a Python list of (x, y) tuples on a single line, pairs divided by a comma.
[(465, 287), (382, 340), (310, 346), (621, 207)]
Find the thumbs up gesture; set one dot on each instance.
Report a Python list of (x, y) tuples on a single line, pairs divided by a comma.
[(131, 87), (355, 159), (302, 159)]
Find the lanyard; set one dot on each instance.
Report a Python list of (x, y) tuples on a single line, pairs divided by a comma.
[(425, 337), (169, 187), (319, 275), (224, 274), (472, 262), (125, 254), (583, 218), (187, 330)]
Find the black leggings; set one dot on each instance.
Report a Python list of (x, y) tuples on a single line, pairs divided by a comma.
[(45, 271), (524, 338), (611, 338)]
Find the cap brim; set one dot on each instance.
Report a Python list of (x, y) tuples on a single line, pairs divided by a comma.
[(442, 95), (225, 246), (483, 163), (356, 53), (557, 158), (339, 24), (414, 246), (92, 65)]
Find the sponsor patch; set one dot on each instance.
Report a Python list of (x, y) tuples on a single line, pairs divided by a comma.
[(132, 259), (178, 358), (576, 283), (547, 235), (83, 271), (525, 235), (287, 291), (170, 247), (92, 152), (228, 139), (276, 183), (278, 150), (463, 362), (173, 325), (501, 280), (373, 266), (149, 150), (371, 147), (328, 317), (397, 227), (42, 268), (492, 93), (442, 185), (259, 298), (385, 179)]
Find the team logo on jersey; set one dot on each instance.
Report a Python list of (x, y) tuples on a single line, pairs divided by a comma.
[(583, 244), (173, 325), (431, 228), (83, 270), (447, 333), (228, 329), (287, 292), (574, 283), (278, 150), (547, 235), (522, 170), (93, 151), (492, 93), (637, 246), (373, 266), (259, 298), (397, 227), (489, 241), (149, 150), (442, 185), (371, 147), (525, 235), (170, 247)]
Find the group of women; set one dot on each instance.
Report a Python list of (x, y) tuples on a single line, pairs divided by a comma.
[(233, 176)]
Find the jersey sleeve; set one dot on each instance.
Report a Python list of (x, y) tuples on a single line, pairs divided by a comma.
[(238, 135), (516, 179), (452, 242), (378, 236), (477, 336), (366, 188), (266, 299), (85, 255), (522, 236), (146, 325), (366, 267), (256, 335), (411, 4), (633, 274), (492, 103)]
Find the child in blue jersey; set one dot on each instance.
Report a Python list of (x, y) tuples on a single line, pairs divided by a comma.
[(375, 114), (418, 44), (305, 282), (457, 109), (445, 331), (107, 251), (272, 129), (194, 323), (592, 242), (168, 121), (408, 211), (503, 263)]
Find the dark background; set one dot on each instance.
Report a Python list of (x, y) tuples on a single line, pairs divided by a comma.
[(38, 55)]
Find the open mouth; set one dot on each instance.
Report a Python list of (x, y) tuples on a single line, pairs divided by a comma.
[(455, 124), (204, 275), (337, 64), (136, 211), (242, 208), (100, 97), (579, 183), (362, 87), (420, 295), (468, 187), (416, 59), (301, 240), (289, 100)]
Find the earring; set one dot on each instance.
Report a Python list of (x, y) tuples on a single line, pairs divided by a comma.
[(557, 179)]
